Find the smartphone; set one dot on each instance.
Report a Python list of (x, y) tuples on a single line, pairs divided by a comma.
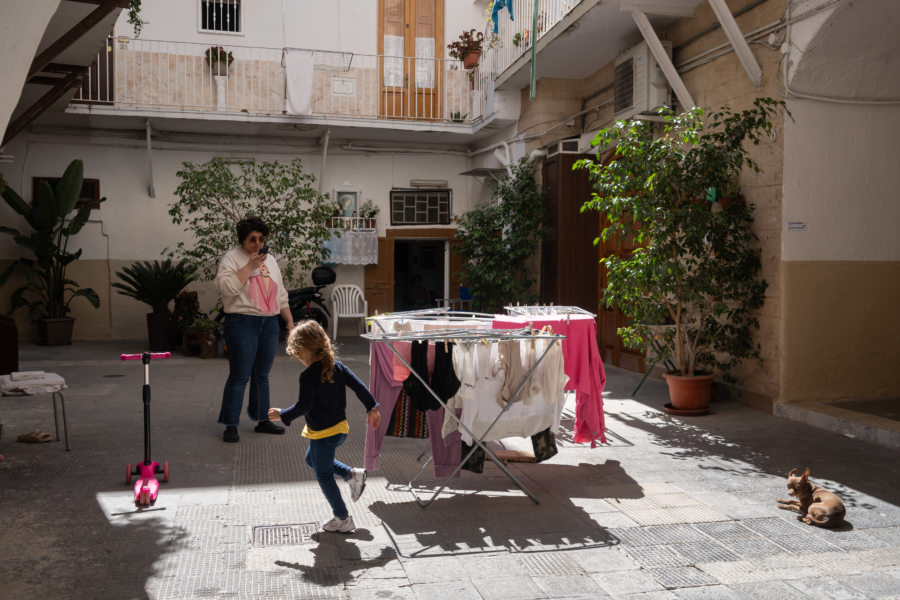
[(264, 249)]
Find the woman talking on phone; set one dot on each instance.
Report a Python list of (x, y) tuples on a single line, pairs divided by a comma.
[(253, 295)]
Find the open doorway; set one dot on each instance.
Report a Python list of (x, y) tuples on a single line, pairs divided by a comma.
[(419, 273)]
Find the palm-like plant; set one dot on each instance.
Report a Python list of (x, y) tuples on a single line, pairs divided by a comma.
[(155, 283), (48, 291)]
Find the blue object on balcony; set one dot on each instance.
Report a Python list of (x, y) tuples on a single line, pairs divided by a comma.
[(464, 293), (498, 6)]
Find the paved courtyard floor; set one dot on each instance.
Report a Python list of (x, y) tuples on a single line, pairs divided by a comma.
[(673, 507)]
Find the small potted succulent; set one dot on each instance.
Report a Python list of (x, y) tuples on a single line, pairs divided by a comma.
[(467, 48), (219, 60)]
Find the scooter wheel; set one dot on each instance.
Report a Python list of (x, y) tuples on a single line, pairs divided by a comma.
[(128, 474), (166, 471)]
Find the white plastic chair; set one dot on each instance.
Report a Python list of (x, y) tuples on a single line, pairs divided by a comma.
[(347, 300)]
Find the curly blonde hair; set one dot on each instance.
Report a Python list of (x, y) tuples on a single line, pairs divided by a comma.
[(309, 336)]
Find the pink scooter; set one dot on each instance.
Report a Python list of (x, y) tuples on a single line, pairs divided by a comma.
[(146, 488)]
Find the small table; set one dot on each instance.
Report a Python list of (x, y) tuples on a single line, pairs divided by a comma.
[(56, 395)]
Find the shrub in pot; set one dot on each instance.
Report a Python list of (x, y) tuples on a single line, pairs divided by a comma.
[(48, 290), (691, 288), (156, 283)]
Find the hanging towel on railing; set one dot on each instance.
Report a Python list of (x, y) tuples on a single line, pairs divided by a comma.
[(298, 70), (498, 6)]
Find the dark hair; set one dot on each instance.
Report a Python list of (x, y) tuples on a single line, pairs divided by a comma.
[(247, 226)]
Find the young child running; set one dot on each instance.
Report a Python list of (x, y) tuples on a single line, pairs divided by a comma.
[(323, 401)]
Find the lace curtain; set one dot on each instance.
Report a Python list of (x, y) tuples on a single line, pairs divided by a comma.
[(349, 247)]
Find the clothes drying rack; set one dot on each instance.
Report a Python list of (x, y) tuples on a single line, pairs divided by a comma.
[(459, 335), (536, 310)]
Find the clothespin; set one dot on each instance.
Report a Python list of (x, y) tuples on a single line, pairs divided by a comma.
[(568, 316), (446, 349), (484, 341)]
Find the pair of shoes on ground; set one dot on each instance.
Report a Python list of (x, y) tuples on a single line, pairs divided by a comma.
[(35, 437), (231, 433), (338, 525)]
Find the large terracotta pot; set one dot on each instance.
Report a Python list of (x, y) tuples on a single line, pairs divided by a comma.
[(56, 331), (689, 394)]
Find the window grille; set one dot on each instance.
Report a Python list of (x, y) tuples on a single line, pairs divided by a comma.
[(220, 15), (420, 207)]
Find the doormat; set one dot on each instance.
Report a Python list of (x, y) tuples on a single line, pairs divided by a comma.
[(283, 535)]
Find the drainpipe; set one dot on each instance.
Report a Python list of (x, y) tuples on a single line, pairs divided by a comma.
[(150, 190), (324, 142)]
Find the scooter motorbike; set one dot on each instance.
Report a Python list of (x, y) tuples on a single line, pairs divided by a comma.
[(308, 302)]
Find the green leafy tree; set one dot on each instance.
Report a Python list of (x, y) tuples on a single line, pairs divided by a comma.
[(214, 196), (496, 240), (691, 288), (48, 291)]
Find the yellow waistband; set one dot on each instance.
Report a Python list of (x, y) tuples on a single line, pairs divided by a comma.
[(312, 434)]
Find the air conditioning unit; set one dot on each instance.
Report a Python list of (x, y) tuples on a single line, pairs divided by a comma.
[(566, 146), (640, 86)]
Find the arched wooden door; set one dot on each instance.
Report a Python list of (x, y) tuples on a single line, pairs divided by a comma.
[(410, 39)]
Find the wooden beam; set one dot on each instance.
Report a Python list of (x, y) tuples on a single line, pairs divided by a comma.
[(44, 80), (61, 68), (120, 3), (47, 100), (741, 49), (68, 38)]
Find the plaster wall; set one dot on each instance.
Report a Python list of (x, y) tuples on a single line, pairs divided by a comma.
[(21, 30), (342, 25), (131, 226)]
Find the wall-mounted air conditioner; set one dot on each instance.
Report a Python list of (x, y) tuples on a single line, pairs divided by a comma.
[(640, 86), (566, 146)]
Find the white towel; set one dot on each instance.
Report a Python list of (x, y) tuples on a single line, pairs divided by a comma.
[(21, 375), (49, 383), (298, 68)]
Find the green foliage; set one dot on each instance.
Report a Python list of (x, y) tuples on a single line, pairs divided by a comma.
[(469, 41), (155, 283), (368, 210), (496, 239), (134, 16), (691, 288), (212, 198), (48, 291)]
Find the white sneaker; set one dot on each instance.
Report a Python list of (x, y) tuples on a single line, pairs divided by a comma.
[(357, 483), (335, 524)]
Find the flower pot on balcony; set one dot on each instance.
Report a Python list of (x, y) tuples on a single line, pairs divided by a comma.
[(470, 59)]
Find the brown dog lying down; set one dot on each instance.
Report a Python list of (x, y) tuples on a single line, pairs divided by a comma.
[(815, 505)]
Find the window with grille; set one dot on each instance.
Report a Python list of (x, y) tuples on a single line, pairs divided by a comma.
[(220, 15), (420, 207)]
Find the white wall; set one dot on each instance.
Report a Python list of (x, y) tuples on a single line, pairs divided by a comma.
[(21, 29), (841, 178), (344, 25)]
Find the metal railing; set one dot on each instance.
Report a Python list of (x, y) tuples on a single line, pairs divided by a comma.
[(177, 76), (514, 37)]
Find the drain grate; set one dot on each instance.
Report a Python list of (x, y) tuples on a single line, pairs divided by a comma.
[(283, 535)]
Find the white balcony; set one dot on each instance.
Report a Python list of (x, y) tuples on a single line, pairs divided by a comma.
[(172, 77)]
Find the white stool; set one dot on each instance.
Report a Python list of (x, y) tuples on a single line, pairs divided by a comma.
[(24, 388)]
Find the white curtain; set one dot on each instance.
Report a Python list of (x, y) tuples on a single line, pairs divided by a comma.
[(349, 247)]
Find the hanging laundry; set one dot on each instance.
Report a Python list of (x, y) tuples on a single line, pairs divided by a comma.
[(414, 387), (444, 381), (544, 445), (406, 420), (498, 6)]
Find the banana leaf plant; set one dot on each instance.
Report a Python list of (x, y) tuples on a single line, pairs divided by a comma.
[(48, 291)]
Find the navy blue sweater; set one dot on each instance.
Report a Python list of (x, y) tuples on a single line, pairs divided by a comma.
[(324, 404)]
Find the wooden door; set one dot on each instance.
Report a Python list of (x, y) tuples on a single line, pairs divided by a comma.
[(410, 39), (379, 279)]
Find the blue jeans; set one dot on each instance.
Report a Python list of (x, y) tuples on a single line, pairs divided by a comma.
[(320, 456), (252, 342)]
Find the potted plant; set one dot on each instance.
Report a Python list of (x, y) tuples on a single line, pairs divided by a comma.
[(368, 211), (48, 291), (219, 60), (156, 283), (203, 333), (467, 48), (691, 288)]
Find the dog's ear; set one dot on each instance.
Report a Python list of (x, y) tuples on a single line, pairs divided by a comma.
[(805, 475), (792, 473)]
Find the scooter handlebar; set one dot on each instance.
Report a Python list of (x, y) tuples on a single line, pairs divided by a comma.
[(152, 356)]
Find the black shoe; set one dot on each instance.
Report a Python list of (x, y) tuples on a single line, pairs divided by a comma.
[(268, 427), (231, 434)]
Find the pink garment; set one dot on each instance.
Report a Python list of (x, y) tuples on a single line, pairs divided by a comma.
[(582, 364), (267, 303), (445, 451)]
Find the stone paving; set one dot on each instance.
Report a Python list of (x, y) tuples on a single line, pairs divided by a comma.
[(672, 508)]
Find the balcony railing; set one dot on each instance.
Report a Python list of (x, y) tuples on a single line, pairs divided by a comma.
[(514, 38), (176, 76)]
